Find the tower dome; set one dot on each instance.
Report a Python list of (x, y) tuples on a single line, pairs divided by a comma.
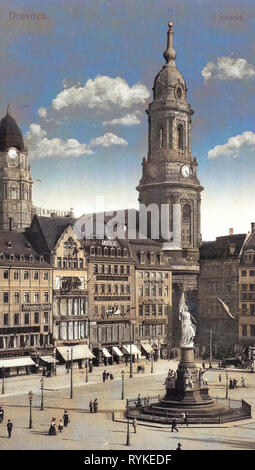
[(169, 80), (10, 133)]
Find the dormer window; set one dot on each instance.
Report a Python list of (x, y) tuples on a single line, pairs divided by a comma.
[(141, 257), (29, 246), (118, 252), (151, 257), (22, 258), (99, 251), (112, 252), (41, 259), (92, 250), (11, 257), (9, 244), (31, 258), (106, 251), (1, 256), (125, 252)]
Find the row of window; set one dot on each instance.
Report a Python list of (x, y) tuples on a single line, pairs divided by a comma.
[(245, 330), (111, 269), (12, 257), (151, 309), (28, 318), (99, 251), (153, 275), (247, 296), (112, 289), (70, 263), (245, 287), (249, 273), (180, 136), (248, 308), (17, 274), (26, 297), (150, 330), (152, 291), (23, 341)]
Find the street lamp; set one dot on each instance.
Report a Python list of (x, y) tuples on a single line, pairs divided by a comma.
[(210, 359), (71, 381), (151, 363), (30, 397), (226, 384), (67, 361), (130, 345), (128, 433), (3, 382), (42, 384), (86, 365), (122, 387)]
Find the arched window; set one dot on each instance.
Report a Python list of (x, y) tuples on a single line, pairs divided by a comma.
[(106, 251), (186, 225), (180, 136), (170, 134), (92, 250), (99, 251), (179, 93), (160, 137)]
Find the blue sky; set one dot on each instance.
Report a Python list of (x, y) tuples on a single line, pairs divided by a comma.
[(45, 60)]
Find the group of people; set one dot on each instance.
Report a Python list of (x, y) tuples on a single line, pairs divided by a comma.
[(62, 423), (9, 423), (46, 373), (107, 375), (93, 406), (233, 383), (184, 417)]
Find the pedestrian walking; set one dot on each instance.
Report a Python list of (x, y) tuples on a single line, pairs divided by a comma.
[(230, 384), (185, 421), (1, 414), (134, 424), (104, 376), (66, 418), (111, 375), (174, 425), (52, 430), (107, 374), (235, 384), (9, 427), (220, 377), (178, 446), (95, 405), (139, 401), (60, 425), (242, 382), (203, 365), (91, 406)]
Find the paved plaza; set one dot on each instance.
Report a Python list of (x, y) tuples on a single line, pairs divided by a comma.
[(98, 431)]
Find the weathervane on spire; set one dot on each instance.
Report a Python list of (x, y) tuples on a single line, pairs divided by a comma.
[(170, 54)]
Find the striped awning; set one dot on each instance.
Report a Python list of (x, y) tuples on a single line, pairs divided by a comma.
[(16, 362), (134, 349), (147, 347), (81, 351), (106, 353), (117, 351), (48, 359)]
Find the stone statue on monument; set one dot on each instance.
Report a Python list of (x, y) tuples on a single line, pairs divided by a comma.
[(188, 329)]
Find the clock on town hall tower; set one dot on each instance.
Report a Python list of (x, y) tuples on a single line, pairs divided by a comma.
[(169, 177), (16, 207)]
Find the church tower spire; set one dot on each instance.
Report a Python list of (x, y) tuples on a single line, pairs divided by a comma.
[(169, 53), (170, 170)]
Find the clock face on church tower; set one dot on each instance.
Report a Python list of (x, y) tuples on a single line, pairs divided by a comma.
[(185, 170), (12, 152)]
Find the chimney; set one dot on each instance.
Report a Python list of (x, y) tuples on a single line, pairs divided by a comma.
[(231, 231), (252, 227)]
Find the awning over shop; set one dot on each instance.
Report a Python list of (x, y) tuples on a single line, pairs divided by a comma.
[(81, 351), (16, 362), (48, 359), (106, 353), (134, 349), (147, 347), (117, 351)]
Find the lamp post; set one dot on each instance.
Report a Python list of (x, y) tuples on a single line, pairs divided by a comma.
[(67, 362), (226, 384), (122, 384), (128, 433), (87, 375), (30, 397), (71, 378), (130, 345), (210, 359), (151, 363), (3, 381), (42, 384)]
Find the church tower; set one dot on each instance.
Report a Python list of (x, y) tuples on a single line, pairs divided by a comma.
[(16, 207), (169, 179)]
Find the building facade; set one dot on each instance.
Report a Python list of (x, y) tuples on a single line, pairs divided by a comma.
[(219, 282), (247, 291)]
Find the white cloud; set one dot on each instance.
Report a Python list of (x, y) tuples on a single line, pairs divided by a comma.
[(228, 68), (107, 140), (101, 93), (128, 120), (234, 147), (40, 146), (42, 112)]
